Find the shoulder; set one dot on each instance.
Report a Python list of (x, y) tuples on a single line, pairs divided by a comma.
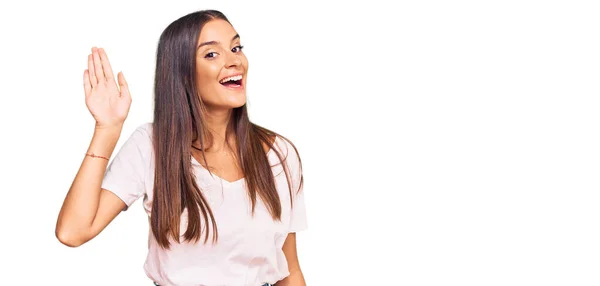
[(140, 138), (142, 132), (145, 129), (287, 149), (283, 149), (290, 158)]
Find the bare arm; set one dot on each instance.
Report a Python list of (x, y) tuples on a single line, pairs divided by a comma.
[(296, 278), (87, 209)]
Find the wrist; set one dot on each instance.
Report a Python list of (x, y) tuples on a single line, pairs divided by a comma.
[(109, 128), (104, 141)]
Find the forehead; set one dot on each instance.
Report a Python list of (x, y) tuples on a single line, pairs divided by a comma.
[(217, 30)]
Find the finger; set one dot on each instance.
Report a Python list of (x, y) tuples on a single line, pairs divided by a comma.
[(98, 65), (87, 86), (123, 85), (106, 65), (92, 74)]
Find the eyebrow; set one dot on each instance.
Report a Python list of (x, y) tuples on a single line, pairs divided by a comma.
[(237, 36)]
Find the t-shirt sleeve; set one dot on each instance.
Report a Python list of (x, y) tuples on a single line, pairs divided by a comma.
[(125, 175), (298, 217)]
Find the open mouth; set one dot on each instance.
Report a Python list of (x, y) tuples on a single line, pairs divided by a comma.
[(232, 81)]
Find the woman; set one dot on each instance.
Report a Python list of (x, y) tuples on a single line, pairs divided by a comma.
[(223, 195)]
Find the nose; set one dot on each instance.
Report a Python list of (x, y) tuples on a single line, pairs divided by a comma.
[(233, 60)]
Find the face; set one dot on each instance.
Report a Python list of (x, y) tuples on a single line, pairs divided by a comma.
[(221, 66)]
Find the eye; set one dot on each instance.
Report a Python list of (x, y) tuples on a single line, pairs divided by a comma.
[(210, 55), (237, 49)]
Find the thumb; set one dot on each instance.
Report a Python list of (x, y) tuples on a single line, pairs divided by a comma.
[(124, 87)]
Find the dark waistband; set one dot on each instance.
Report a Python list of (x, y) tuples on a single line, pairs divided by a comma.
[(266, 284)]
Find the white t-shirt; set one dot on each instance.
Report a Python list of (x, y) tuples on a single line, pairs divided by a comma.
[(249, 248)]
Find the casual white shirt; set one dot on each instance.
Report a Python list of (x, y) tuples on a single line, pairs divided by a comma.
[(249, 248)]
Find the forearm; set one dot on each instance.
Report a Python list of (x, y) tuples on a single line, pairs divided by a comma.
[(82, 200), (296, 278)]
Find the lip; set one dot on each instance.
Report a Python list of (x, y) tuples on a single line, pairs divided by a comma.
[(235, 74), (237, 88)]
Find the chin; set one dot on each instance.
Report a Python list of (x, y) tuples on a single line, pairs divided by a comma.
[(240, 104), (226, 100), (236, 101)]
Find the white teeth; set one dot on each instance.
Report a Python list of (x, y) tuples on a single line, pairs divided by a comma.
[(231, 78)]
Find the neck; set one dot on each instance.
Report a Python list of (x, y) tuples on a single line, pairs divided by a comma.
[(217, 122)]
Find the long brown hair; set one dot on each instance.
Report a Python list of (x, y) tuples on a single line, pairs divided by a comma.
[(179, 121)]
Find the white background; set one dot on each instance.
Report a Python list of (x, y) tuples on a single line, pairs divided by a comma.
[(444, 142)]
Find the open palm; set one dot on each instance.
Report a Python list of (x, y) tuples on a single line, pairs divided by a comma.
[(108, 103)]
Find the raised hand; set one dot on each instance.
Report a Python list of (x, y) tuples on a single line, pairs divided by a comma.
[(108, 103)]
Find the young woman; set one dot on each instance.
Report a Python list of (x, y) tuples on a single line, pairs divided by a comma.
[(223, 195)]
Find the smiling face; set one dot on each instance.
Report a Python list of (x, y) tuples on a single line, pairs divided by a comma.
[(221, 66)]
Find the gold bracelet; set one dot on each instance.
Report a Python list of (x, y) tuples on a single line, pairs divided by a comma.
[(96, 156)]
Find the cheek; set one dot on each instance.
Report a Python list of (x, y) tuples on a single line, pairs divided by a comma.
[(207, 72), (207, 76), (245, 61)]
